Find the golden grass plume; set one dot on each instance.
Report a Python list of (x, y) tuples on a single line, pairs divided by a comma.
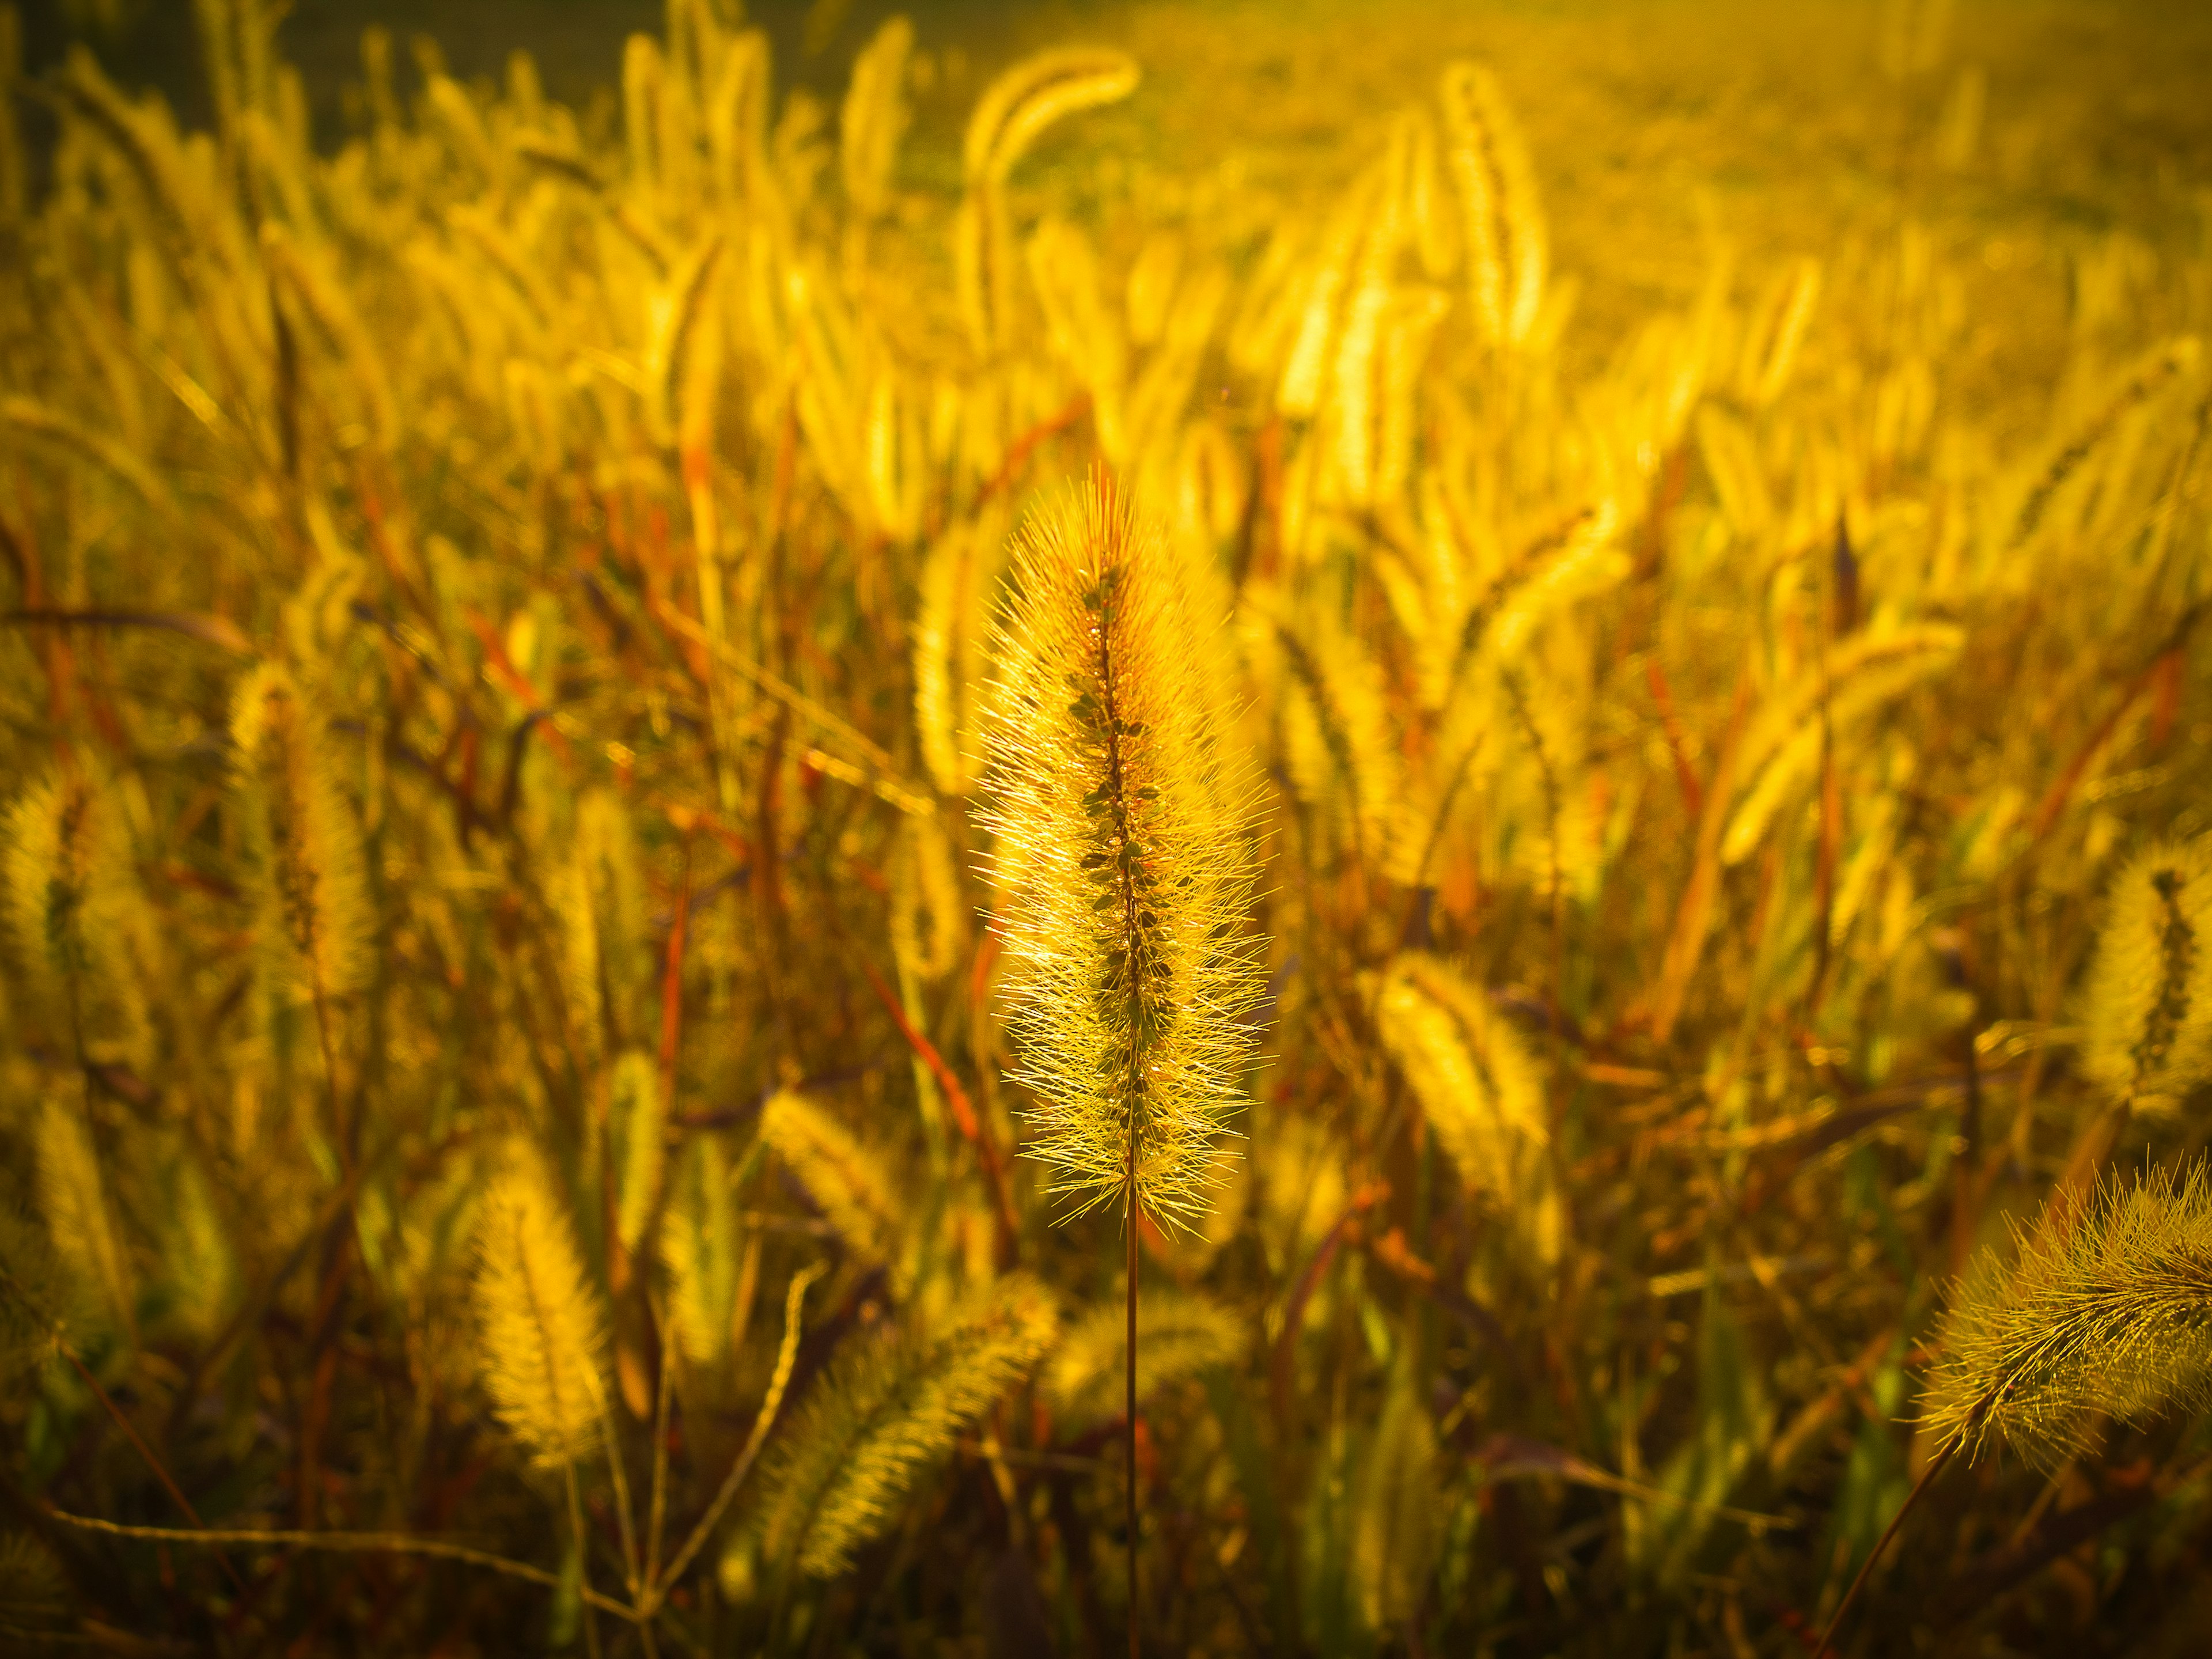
[(2104, 1312), (883, 1414), (1123, 853), (543, 1322)]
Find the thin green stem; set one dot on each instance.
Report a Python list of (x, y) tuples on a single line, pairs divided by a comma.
[(375, 1543), (770, 1404), (1131, 1368), (1927, 1478), (583, 1561)]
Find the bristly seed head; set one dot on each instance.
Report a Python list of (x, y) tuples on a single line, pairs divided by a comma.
[(1124, 859)]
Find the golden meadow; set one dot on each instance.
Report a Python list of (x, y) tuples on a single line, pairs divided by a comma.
[(553, 963)]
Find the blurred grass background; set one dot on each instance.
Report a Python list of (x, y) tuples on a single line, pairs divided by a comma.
[(1659, 124)]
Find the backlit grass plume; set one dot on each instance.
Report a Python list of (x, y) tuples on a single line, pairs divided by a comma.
[(700, 1248), (73, 1197), (1396, 1536), (314, 922), (1481, 1092), (70, 914), (544, 1330), (2149, 1013), (2109, 1312), (1123, 861), (42, 1304), (846, 1181), (1180, 1333), (883, 1413)]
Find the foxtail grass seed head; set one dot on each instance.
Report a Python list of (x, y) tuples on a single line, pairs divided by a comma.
[(847, 1179), (2104, 1313), (73, 1197), (543, 1324), (1124, 858), (700, 1248), (2149, 1003), (72, 914), (887, 1409), (314, 921)]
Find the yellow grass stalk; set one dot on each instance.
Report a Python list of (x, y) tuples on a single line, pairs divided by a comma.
[(26, 418), (1321, 287), (874, 118), (1506, 240), (325, 302), (1782, 750), (2151, 375), (543, 1324), (1125, 871), (598, 896), (1032, 94), (1396, 1509), (1014, 110), (949, 632), (2105, 1312), (73, 1198), (1118, 808), (847, 1181), (1481, 1092), (1084, 329), (883, 1415), (43, 1304), (198, 1260), (1338, 743), (313, 918), (1772, 341), (928, 924), (1157, 400), (700, 1248), (637, 1125), (1151, 286), (2148, 1007), (73, 915), (686, 346)]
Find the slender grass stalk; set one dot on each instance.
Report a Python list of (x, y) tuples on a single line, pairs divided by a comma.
[(1125, 870)]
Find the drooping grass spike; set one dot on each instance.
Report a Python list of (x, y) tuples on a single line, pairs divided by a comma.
[(883, 1414), (2107, 1311)]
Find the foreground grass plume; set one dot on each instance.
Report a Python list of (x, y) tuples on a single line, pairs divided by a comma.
[(1124, 864), (1125, 870), (73, 1195), (1481, 1091), (2106, 1314)]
